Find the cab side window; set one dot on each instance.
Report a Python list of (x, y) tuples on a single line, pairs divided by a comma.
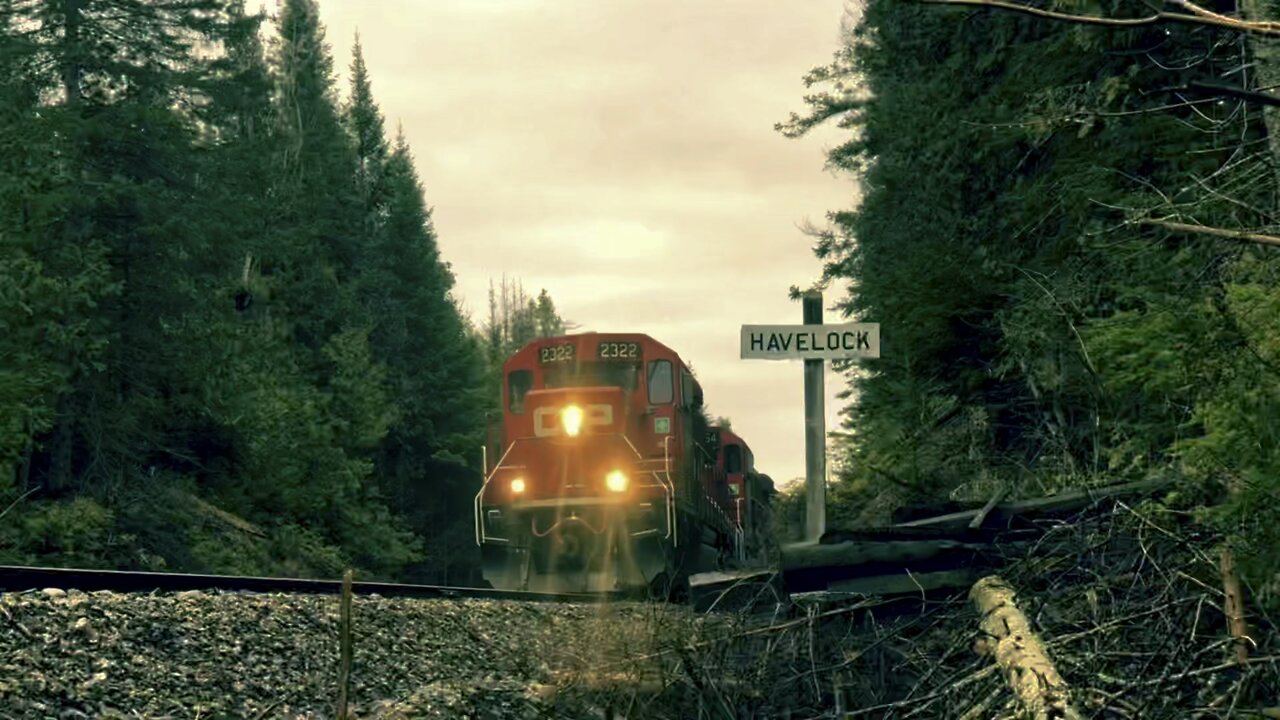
[(519, 382), (686, 389), (661, 386), (733, 458)]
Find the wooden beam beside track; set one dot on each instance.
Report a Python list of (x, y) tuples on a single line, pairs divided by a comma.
[(854, 552)]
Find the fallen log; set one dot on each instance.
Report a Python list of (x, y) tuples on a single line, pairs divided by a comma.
[(1019, 653), (853, 553)]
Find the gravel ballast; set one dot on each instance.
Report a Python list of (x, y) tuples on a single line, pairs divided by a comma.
[(69, 654), (1125, 600)]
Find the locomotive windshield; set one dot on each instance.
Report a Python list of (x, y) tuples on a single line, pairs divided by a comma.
[(625, 375), (519, 383)]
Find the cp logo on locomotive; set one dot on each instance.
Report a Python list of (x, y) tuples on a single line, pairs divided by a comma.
[(546, 420)]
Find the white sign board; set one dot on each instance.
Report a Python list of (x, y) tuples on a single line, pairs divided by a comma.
[(810, 342)]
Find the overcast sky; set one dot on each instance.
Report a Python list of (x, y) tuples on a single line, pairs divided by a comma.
[(621, 154)]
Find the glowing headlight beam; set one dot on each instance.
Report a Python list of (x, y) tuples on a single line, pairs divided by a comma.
[(517, 485), (616, 481), (571, 420)]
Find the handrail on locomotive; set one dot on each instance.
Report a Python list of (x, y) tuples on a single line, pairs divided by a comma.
[(663, 477)]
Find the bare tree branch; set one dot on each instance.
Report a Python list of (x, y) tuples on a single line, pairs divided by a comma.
[(1216, 232), (21, 497), (1201, 17)]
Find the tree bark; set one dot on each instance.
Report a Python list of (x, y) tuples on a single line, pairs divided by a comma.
[(1019, 653), (71, 66), (1234, 604), (60, 451), (1266, 62)]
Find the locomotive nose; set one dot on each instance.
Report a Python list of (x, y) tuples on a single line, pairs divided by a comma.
[(576, 413)]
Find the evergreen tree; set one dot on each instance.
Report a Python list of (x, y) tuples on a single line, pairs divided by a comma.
[(494, 330), (1038, 329), (318, 237), (364, 121), (224, 307), (515, 319), (427, 466), (546, 320), (97, 113), (116, 144), (318, 201)]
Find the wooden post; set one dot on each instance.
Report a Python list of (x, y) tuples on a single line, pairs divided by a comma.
[(344, 645), (815, 435), (1233, 606)]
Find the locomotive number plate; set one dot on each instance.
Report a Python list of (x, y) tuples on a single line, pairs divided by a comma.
[(619, 351), (555, 354)]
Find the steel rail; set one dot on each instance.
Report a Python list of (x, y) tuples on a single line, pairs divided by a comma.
[(17, 578)]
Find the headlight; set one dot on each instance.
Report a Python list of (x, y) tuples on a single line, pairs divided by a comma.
[(571, 420), (517, 486), (616, 481)]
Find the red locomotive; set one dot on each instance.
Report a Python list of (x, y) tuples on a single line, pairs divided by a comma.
[(605, 473), (750, 494)]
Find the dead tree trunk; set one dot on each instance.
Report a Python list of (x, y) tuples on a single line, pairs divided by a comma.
[(1008, 637), (1233, 604), (1266, 61)]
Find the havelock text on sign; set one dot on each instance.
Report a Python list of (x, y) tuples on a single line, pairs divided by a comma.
[(810, 342)]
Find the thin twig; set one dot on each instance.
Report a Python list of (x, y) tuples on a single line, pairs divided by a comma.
[(1157, 18), (21, 497)]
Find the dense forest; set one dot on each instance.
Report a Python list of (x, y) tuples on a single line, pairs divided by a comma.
[(228, 341), (1066, 233)]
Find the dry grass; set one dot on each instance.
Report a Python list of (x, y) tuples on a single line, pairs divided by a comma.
[(1129, 603)]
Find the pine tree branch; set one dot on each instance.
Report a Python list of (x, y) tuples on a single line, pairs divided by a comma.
[(1216, 232), (1200, 17)]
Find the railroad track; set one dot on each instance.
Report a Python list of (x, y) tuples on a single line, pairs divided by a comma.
[(16, 578)]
